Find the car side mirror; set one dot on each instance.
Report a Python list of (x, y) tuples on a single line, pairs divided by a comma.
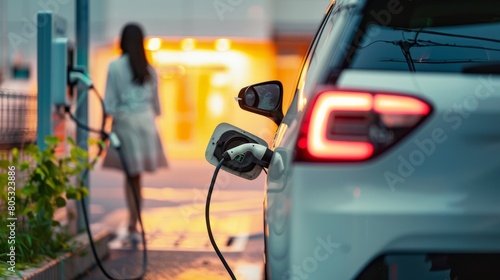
[(265, 99)]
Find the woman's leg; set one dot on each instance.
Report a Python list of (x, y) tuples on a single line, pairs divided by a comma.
[(132, 209)]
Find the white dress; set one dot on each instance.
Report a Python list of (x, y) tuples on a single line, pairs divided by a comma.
[(133, 108)]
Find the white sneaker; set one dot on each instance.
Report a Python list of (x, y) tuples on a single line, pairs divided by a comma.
[(130, 239), (134, 238)]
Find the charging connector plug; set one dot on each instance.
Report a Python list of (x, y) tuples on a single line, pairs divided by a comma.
[(80, 78), (262, 154), (114, 141)]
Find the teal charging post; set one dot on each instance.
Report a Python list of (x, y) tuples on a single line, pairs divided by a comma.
[(44, 67), (52, 66), (52, 71), (82, 60)]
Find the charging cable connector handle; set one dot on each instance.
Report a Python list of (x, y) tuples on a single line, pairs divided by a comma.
[(114, 140), (258, 151), (80, 77)]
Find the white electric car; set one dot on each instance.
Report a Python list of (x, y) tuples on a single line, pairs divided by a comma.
[(389, 153)]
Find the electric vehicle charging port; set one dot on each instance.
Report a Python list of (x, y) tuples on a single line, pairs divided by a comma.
[(243, 164), (231, 139)]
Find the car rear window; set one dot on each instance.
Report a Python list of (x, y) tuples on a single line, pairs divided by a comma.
[(436, 36)]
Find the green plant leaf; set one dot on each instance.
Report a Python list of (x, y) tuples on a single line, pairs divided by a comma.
[(94, 141), (28, 190), (31, 148), (45, 167), (15, 154), (24, 166), (27, 211), (78, 154), (51, 141), (51, 184), (84, 192), (28, 239), (4, 164), (103, 145), (40, 208), (60, 202), (4, 178), (71, 193), (40, 172), (71, 141)]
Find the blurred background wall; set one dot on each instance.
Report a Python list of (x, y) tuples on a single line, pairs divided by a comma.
[(205, 51)]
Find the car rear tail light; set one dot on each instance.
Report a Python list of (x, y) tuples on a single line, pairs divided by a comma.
[(355, 126)]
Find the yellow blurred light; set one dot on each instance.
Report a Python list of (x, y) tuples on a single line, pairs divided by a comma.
[(222, 44), (216, 104), (237, 61), (188, 44), (154, 44), (220, 80)]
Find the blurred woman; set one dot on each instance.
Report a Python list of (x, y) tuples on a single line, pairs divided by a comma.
[(131, 99)]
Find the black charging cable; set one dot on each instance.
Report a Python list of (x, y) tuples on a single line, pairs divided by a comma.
[(114, 142), (207, 220)]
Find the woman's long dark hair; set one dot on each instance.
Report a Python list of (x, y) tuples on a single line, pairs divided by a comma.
[(132, 44)]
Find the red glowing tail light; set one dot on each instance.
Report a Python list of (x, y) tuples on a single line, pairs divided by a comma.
[(355, 126)]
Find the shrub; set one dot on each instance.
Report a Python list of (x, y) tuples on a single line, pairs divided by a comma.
[(45, 188)]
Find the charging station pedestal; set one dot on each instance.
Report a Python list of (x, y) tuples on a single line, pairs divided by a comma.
[(52, 67)]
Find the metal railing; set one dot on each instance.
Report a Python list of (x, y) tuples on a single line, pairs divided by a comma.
[(18, 119)]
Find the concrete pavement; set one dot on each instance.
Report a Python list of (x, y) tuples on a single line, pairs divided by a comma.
[(173, 216)]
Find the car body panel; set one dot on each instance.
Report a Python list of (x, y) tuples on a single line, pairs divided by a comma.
[(400, 187)]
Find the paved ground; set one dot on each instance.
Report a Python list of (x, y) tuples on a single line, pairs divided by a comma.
[(179, 265), (173, 214)]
